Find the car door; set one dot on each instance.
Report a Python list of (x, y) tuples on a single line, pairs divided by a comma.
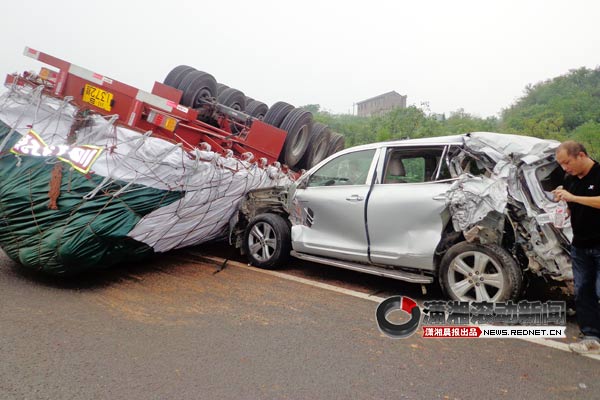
[(405, 207), (328, 209)]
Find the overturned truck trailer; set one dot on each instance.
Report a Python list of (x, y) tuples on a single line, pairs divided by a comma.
[(94, 172)]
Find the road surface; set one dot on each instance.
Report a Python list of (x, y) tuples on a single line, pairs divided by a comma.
[(179, 327)]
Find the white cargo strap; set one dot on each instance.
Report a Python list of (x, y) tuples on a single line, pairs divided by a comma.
[(109, 179)]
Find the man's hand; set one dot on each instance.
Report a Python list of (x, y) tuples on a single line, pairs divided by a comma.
[(562, 194)]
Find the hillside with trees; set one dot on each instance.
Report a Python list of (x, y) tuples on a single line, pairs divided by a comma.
[(565, 107)]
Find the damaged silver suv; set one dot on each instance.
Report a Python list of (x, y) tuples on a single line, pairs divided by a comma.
[(473, 212)]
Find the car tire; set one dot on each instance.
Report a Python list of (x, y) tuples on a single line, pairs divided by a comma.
[(494, 273), (273, 250)]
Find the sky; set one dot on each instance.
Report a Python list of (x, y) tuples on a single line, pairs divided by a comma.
[(444, 55)]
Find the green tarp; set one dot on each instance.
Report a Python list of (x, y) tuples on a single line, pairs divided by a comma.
[(80, 234)]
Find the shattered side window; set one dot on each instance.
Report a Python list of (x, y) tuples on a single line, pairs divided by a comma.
[(550, 177), (462, 162)]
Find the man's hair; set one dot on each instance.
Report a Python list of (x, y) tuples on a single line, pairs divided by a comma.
[(572, 148)]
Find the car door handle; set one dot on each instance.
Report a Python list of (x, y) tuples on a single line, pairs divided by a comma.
[(439, 197), (355, 197)]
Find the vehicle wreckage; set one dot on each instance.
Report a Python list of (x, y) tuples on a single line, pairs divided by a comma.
[(94, 172), (474, 211)]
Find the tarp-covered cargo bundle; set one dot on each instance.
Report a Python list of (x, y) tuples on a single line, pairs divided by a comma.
[(78, 191)]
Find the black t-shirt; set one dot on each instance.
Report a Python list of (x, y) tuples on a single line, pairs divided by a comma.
[(585, 220)]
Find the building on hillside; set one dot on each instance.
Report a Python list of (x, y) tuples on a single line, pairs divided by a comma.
[(380, 104)]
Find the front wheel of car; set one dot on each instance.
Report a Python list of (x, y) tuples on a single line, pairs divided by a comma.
[(267, 241), (476, 272)]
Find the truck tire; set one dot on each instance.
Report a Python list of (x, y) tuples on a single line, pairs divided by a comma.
[(177, 74), (232, 98), (267, 241), (277, 113), (336, 143), (197, 86), (256, 109), (221, 87), (476, 272), (317, 146), (297, 124)]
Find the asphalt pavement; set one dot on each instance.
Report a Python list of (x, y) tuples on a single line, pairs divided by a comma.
[(176, 327)]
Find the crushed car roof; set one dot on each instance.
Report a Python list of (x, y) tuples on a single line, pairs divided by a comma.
[(499, 146), (500, 143)]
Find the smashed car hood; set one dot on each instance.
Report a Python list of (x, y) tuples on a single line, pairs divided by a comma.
[(478, 202)]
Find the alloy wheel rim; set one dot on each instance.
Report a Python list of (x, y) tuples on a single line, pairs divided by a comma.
[(262, 241), (475, 276)]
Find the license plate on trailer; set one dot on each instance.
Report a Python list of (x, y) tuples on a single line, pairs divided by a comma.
[(97, 97)]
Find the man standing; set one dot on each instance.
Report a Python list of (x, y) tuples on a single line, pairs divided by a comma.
[(582, 193)]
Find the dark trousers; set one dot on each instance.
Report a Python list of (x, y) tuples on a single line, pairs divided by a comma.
[(586, 274)]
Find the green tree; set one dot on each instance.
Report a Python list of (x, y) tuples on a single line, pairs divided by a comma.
[(567, 106), (555, 107), (589, 134), (313, 108)]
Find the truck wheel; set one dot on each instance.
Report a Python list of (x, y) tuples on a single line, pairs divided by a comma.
[(317, 145), (232, 98), (256, 109), (177, 74), (267, 242), (298, 125), (197, 86), (336, 144), (277, 113), (221, 87), (476, 272)]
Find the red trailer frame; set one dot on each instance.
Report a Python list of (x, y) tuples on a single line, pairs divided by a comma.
[(158, 111)]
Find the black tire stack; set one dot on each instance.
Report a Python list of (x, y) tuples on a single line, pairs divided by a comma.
[(256, 109), (336, 144), (318, 146), (306, 144), (232, 98), (277, 113), (197, 86)]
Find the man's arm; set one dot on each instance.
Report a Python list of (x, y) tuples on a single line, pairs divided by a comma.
[(590, 201)]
